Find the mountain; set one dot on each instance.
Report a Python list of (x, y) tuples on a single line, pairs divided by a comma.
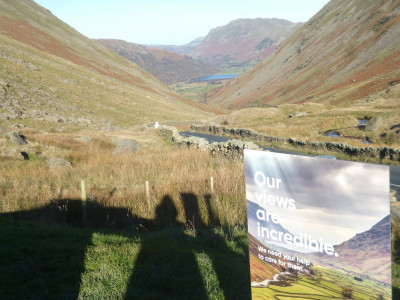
[(348, 50), (367, 253), (167, 66), (261, 270), (244, 40), (52, 74), (180, 49)]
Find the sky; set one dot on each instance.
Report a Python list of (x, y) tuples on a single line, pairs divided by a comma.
[(170, 22), (333, 199)]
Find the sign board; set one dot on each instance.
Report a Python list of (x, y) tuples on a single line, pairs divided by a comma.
[(318, 228)]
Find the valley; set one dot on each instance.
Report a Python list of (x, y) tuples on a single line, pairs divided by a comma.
[(74, 108)]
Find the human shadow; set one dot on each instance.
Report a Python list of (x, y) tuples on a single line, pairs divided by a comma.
[(49, 262), (166, 265), (177, 262), (228, 271), (46, 259)]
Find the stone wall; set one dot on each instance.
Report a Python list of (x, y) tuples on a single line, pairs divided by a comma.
[(233, 148), (380, 153)]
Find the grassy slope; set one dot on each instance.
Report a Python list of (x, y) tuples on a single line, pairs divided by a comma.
[(75, 74), (57, 262), (53, 262), (330, 287), (347, 51), (320, 118), (99, 263)]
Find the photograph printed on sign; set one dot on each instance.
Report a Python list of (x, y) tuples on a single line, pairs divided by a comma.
[(317, 227)]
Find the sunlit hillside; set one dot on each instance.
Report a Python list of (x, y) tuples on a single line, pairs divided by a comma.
[(52, 74)]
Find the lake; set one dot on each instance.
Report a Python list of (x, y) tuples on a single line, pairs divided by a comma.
[(216, 77)]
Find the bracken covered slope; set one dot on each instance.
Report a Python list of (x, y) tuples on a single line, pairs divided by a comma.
[(244, 40), (347, 51), (51, 73)]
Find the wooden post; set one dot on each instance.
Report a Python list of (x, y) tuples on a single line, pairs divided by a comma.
[(148, 193), (212, 184), (83, 195)]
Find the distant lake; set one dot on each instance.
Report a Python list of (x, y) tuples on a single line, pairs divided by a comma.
[(216, 77)]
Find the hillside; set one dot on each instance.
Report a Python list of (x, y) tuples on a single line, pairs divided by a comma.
[(366, 253), (167, 66), (347, 51), (51, 75), (261, 270), (180, 49), (244, 40)]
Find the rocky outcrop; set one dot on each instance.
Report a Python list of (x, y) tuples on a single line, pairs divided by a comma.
[(232, 149), (15, 154), (374, 124), (57, 162), (17, 138), (381, 153)]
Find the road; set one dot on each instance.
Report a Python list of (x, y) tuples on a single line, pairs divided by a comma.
[(394, 170)]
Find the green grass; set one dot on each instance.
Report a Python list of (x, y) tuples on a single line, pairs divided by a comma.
[(55, 261), (239, 69), (331, 287), (43, 260)]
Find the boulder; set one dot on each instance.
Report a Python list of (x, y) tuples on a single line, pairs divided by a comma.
[(15, 154), (17, 112), (57, 162), (374, 124), (125, 146), (298, 114), (17, 138)]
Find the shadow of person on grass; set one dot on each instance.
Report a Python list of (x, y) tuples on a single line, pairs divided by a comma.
[(43, 260), (165, 265), (49, 262), (177, 263)]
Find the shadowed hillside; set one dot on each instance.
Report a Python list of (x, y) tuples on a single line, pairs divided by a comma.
[(168, 66)]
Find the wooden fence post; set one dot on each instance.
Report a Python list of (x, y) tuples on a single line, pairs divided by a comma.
[(212, 184), (148, 193), (83, 195)]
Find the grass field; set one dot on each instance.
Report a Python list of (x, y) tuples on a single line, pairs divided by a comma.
[(50, 261), (55, 261), (184, 242), (334, 285)]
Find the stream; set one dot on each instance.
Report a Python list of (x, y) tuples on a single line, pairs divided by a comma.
[(265, 283)]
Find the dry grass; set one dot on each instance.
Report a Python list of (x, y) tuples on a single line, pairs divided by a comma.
[(280, 121), (182, 175)]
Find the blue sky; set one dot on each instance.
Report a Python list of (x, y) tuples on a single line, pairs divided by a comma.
[(174, 22)]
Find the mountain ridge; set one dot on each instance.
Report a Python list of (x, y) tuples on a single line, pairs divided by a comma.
[(168, 66), (346, 51), (366, 253), (244, 40), (238, 42)]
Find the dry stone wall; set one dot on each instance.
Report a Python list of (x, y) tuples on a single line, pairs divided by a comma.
[(233, 148), (381, 152)]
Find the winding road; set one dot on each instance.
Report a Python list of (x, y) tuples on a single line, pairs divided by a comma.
[(394, 170)]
